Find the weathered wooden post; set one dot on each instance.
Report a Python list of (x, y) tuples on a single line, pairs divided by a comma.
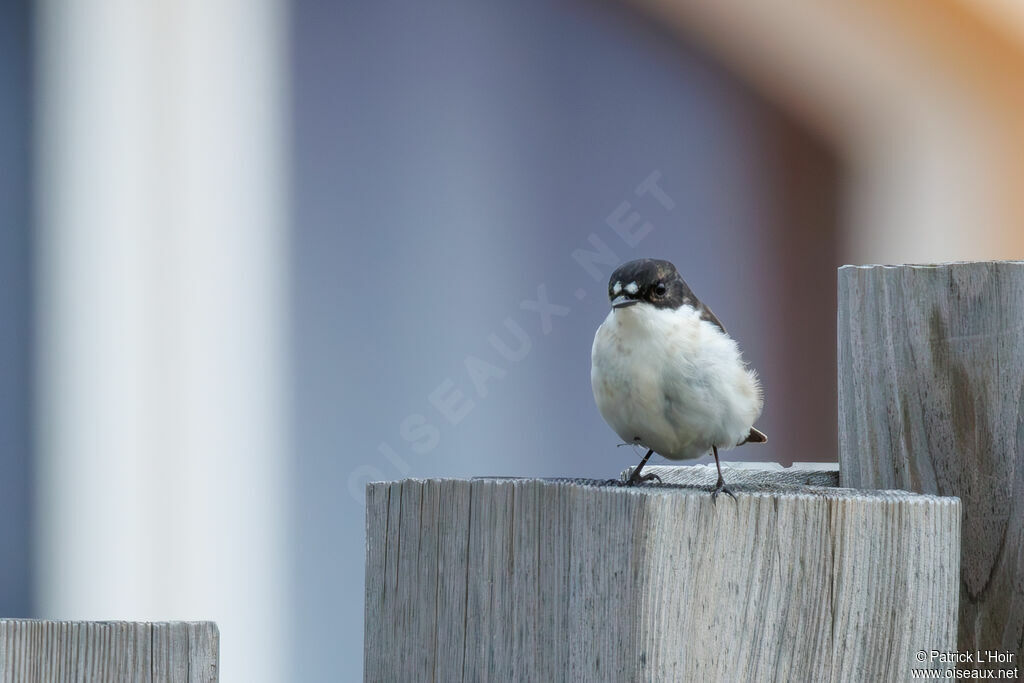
[(534, 580), (931, 399), (103, 651)]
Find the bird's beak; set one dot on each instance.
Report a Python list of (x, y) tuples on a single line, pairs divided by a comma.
[(623, 301)]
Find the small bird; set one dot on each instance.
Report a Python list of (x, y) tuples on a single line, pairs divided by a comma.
[(665, 373)]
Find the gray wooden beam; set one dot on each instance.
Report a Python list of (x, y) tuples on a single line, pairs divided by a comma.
[(534, 580), (84, 651), (931, 399)]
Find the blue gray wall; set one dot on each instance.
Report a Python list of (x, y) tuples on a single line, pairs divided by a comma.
[(15, 309), (449, 159)]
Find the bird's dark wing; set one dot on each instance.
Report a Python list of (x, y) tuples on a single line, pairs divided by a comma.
[(707, 314), (686, 297)]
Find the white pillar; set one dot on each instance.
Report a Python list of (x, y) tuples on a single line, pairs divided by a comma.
[(161, 413)]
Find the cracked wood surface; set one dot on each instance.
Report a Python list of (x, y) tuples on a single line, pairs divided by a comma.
[(101, 651), (931, 399), (558, 580)]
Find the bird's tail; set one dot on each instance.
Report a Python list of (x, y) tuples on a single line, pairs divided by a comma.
[(755, 436)]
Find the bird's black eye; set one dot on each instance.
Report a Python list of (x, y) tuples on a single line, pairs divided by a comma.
[(660, 289)]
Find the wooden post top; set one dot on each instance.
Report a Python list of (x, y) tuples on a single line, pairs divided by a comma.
[(582, 579), (812, 480)]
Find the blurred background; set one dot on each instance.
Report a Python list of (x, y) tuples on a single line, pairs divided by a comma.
[(255, 254)]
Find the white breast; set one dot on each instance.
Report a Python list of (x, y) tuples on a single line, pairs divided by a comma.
[(675, 381)]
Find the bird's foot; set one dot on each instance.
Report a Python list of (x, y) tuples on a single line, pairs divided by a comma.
[(720, 488), (634, 479)]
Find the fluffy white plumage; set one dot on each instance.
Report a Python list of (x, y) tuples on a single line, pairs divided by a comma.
[(667, 380)]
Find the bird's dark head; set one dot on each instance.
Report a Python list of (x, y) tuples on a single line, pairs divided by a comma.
[(648, 280)]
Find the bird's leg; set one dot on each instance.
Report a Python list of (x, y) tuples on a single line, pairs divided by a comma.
[(720, 485), (636, 478)]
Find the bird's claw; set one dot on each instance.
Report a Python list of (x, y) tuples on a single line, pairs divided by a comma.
[(720, 488), (643, 478)]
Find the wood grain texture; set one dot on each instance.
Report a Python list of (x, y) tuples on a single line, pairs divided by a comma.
[(747, 476), (534, 580), (931, 399), (82, 651)]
